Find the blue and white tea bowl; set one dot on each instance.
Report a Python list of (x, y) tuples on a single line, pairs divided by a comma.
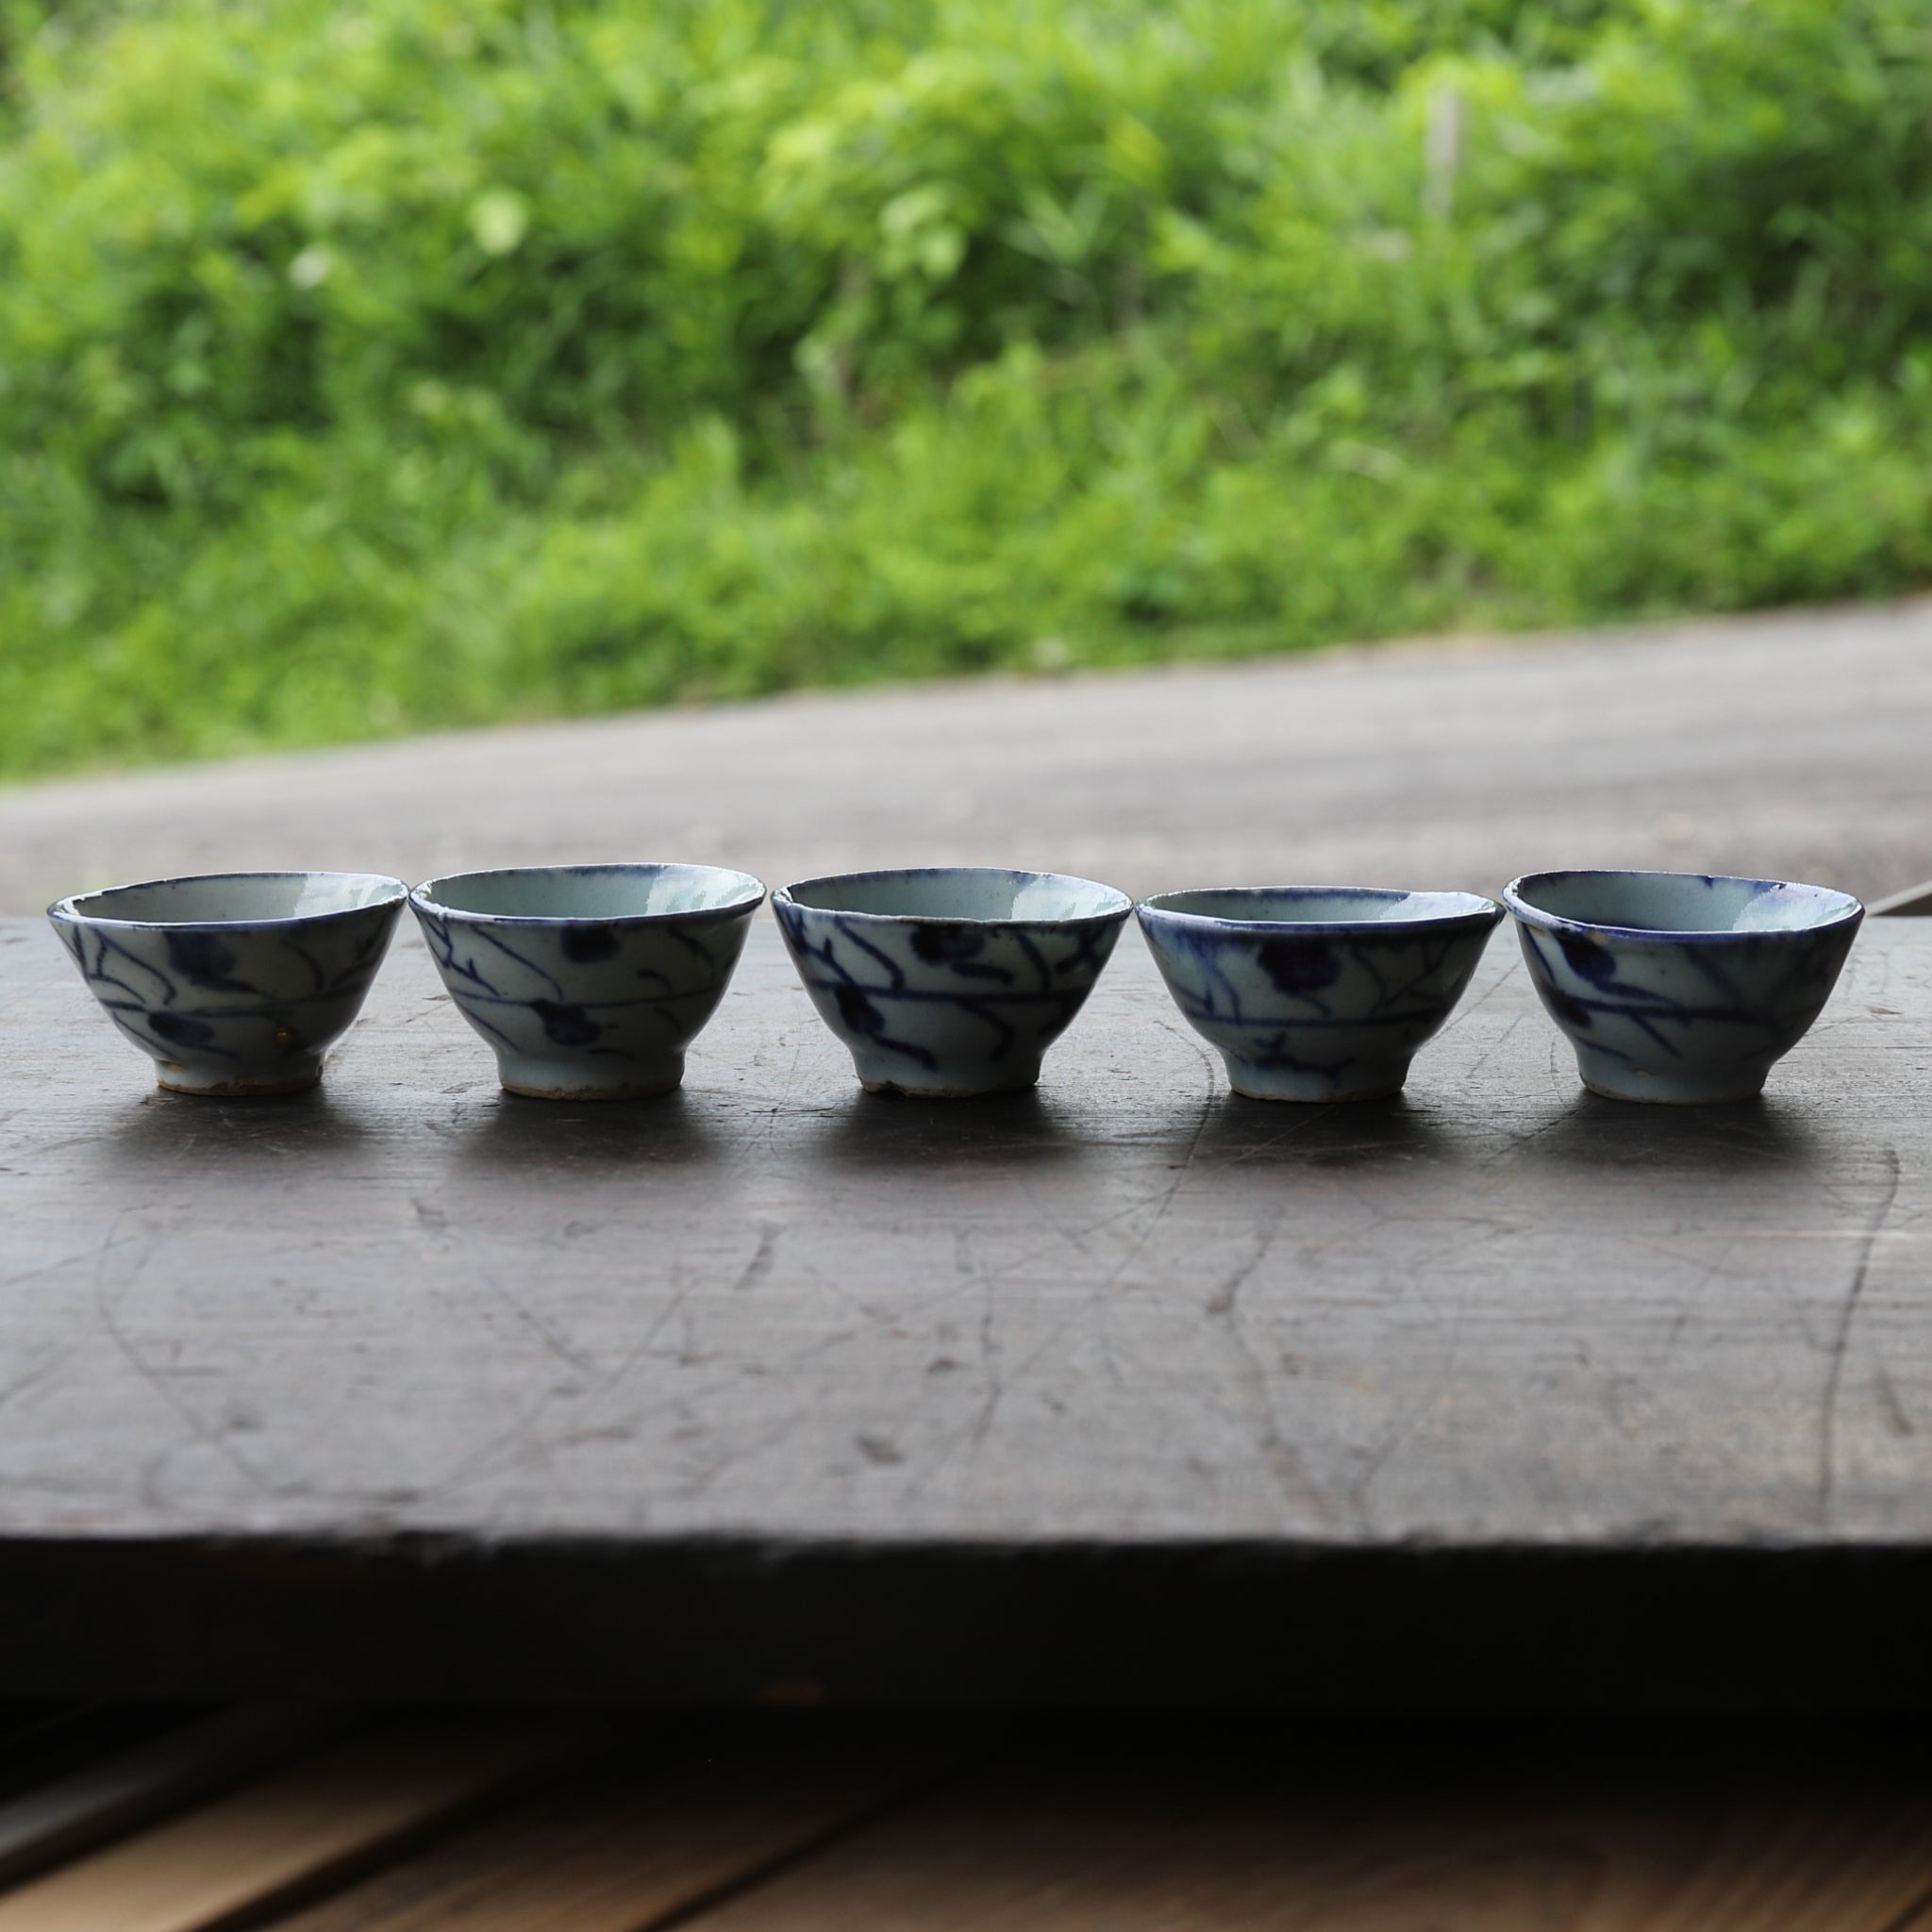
[(1316, 993), (236, 983), (588, 981), (949, 981), (1678, 987)]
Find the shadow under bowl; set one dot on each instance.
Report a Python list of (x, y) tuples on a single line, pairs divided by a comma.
[(1315, 994), (949, 982), (588, 982), (1683, 987), (233, 983)]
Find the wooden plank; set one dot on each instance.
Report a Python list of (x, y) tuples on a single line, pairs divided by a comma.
[(65, 1815), (779, 1385), (626, 1850), (1125, 1307), (1012, 1851), (1579, 1872), (295, 1831)]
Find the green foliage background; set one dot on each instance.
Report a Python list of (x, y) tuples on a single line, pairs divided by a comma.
[(368, 364)]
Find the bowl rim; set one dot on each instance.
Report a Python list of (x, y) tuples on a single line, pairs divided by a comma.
[(1479, 912), (751, 896), (1109, 915), (1849, 912), (73, 909)]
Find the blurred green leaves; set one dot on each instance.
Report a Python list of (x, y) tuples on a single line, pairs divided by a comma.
[(376, 363)]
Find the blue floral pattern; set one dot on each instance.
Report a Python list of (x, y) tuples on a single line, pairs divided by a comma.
[(1684, 1015), (235, 1007), (937, 1006), (1317, 995), (589, 1007)]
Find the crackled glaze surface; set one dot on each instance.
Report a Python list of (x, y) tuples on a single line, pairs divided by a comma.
[(235, 983), (1312, 993), (589, 981), (949, 981), (1680, 987)]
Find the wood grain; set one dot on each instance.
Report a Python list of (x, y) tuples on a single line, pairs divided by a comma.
[(409, 1340), (624, 1851), (1025, 1855), (1143, 1826), (61, 1816), (1127, 1305), (293, 1830)]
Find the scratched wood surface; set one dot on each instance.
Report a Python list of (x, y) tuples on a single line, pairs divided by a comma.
[(411, 1325)]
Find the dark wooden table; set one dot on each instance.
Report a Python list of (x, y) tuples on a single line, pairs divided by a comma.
[(1123, 1391)]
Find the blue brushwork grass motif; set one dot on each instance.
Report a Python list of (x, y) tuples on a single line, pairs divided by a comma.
[(1681, 987), (1316, 993), (233, 983), (949, 981), (589, 982)]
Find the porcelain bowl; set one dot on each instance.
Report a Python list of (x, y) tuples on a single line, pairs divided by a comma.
[(235, 983), (1316, 993), (949, 981), (1677, 986), (588, 981)]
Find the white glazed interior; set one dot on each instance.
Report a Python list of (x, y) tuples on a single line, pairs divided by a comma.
[(1318, 906), (243, 898), (1681, 902), (590, 891), (960, 893)]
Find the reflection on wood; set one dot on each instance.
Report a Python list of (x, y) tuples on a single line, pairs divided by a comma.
[(294, 1829), (921, 1824), (618, 1853), (114, 1793), (996, 1858)]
